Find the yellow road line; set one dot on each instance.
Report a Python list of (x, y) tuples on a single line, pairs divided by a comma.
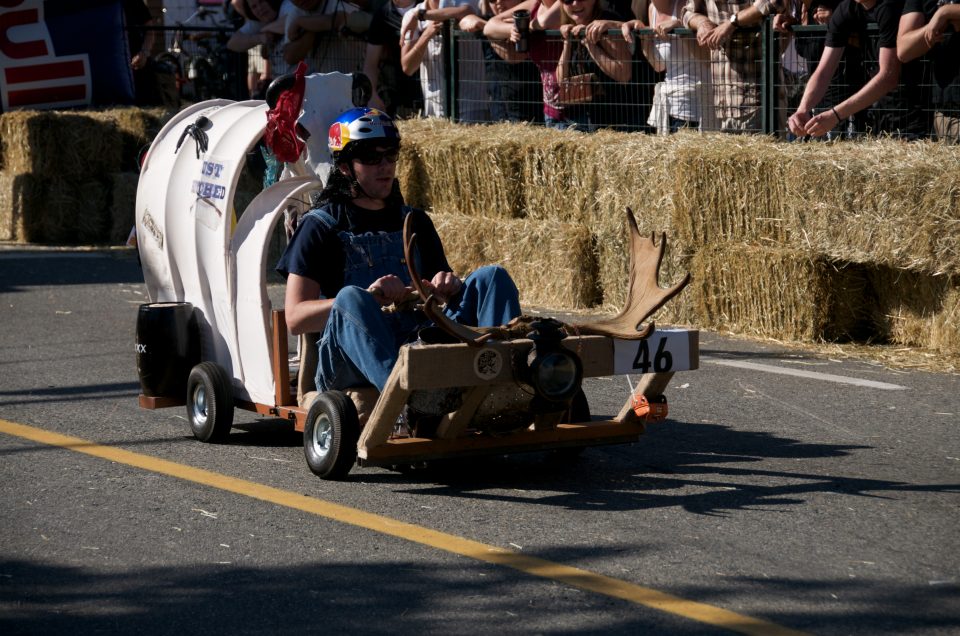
[(582, 579)]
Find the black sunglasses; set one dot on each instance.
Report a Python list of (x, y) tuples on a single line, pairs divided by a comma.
[(376, 157)]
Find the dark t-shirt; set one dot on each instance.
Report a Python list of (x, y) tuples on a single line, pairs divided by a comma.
[(851, 18), (316, 252), (901, 110), (135, 14), (385, 27), (945, 55)]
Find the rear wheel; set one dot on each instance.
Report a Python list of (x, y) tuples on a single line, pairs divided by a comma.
[(330, 435), (209, 402)]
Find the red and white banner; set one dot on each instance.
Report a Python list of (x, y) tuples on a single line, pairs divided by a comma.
[(32, 75)]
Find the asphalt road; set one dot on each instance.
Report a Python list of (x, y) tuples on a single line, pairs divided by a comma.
[(803, 502)]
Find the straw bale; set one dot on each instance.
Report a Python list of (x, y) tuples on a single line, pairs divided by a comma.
[(123, 200), (471, 170), (881, 202), (16, 191), (730, 189), (59, 144), (552, 262), (916, 309), (560, 176), (777, 293), (137, 128)]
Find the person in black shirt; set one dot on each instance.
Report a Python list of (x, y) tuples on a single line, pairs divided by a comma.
[(346, 261), (847, 24), (929, 27), (393, 90)]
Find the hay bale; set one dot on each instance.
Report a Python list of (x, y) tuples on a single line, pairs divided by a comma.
[(560, 176), (730, 189), (469, 170), (917, 310), (137, 128), (777, 293), (59, 144), (61, 211), (123, 199), (552, 262), (881, 201)]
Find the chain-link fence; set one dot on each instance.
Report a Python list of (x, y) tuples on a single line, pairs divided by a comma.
[(752, 85)]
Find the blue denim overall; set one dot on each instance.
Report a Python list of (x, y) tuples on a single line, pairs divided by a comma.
[(360, 343)]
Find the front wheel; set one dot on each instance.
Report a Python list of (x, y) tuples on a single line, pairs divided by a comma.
[(330, 435), (209, 402)]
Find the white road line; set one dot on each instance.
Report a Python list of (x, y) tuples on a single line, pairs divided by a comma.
[(813, 375)]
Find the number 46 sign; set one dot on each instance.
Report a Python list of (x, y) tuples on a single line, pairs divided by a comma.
[(663, 351)]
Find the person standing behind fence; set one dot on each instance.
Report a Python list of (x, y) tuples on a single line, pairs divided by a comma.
[(393, 91), (850, 20), (930, 27), (591, 64), (422, 47), (543, 52), (315, 32), (735, 54), (684, 99)]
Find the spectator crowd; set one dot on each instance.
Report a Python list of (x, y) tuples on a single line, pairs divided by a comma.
[(867, 66)]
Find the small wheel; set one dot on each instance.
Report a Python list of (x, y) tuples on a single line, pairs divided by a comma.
[(209, 402), (330, 435)]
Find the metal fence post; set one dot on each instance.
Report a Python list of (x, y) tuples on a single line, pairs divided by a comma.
[(768, 87)]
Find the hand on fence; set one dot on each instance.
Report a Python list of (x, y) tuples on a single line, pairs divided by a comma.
[(664, 28), (719, 35), (472, 23)]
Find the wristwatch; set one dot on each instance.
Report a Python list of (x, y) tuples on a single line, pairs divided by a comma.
[(734, 21)]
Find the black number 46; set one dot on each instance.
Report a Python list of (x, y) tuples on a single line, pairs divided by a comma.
[(662, 359)]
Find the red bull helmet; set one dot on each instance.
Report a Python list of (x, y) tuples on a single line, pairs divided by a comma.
[(359, 125)]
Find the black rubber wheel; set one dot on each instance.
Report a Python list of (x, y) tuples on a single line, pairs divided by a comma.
[(209, 402), (330, 435)]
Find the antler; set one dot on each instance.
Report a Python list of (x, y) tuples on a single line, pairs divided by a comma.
[(645, 296), (431, 306)]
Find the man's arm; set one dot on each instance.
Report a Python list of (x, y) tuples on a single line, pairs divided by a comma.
[(879, 85), (816, 88), (304, 310), (412, 51), (371, 68), (500, 26), (911, 42), (240, 42)]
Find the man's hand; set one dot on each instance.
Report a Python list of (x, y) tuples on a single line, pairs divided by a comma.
[(389, 290), (720, 35), (933, 32), (444, 285), (783, 22), (704, 30), (798, 123), (139, 61), (822, 124)]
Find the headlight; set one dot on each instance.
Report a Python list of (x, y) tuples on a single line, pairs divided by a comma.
[(556, 375), (553, 371)]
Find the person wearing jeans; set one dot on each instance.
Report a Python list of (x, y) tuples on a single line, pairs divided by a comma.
[(345, 262)]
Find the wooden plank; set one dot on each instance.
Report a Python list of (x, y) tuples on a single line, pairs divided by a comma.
[(454, 424), (564, 435), (492, 363), (160, 402), (388, 408), (283, 396)]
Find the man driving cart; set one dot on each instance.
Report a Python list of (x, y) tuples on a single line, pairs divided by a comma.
[(345, 263)]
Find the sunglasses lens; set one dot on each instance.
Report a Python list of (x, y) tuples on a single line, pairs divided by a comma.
[(374, 158)]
